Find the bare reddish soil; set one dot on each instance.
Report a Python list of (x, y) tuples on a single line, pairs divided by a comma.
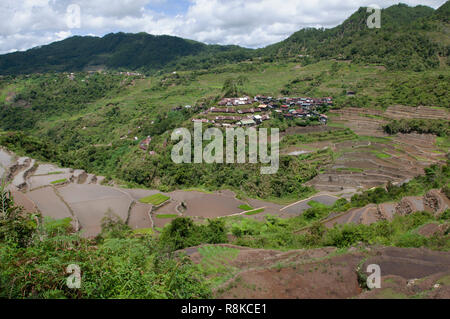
[(324, 274)]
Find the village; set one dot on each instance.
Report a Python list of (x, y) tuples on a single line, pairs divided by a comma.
[(251, 112), (247, 112)]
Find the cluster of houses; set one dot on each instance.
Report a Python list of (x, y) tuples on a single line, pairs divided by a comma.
[(130, 73), (304, 102), (236, 101), (296, 107), (230, 121), (230, 110), (289, 107)]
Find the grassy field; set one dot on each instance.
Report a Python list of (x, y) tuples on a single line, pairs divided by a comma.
[(334, 136), (156, 199), (59, 181), (215, 259), (245, 207)]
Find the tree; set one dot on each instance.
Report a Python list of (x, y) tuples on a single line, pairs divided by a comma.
[(234, 87)]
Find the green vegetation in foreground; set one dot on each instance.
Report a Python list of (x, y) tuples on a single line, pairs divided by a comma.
[(35, 252), (144, 231), (315, 204), (245, 207), (215, 259), (120, 257), (156, 199), (166, 216), (59, 181), (280, 234)]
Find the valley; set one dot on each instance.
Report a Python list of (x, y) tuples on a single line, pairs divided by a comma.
[(87, 177)]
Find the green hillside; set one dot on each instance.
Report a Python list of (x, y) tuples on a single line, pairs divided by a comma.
[(413, 38), (140, 51), (95, 121)]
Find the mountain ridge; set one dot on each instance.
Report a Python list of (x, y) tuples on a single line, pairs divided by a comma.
[(403, 42)]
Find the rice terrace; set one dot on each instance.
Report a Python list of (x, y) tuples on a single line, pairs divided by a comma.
[(306, 162)]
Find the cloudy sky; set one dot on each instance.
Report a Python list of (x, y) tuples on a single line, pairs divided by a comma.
[(251, 23)]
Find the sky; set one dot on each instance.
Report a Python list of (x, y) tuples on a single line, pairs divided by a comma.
[(25, 24)]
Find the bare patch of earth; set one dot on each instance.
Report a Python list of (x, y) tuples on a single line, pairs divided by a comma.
[(325, 273)]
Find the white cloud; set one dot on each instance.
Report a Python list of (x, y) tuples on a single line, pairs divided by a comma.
[(250, 23)]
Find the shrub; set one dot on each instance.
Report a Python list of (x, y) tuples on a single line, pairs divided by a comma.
[(411, 240), (182, 233), (346, 235), (446, 190), (113, 227), (445, 215)]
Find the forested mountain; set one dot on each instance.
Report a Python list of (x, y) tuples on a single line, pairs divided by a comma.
[(114, 51), (410, 38), (414, 38), (443, 13)]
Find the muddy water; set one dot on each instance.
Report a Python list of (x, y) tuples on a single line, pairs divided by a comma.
[(22, 200), (300, 207), (139, 216), (48, 203), (39, 181), (74, 193), (90, 213), (45, 169), (137, 194), (6, 160), (208, 205), (90, 203)]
